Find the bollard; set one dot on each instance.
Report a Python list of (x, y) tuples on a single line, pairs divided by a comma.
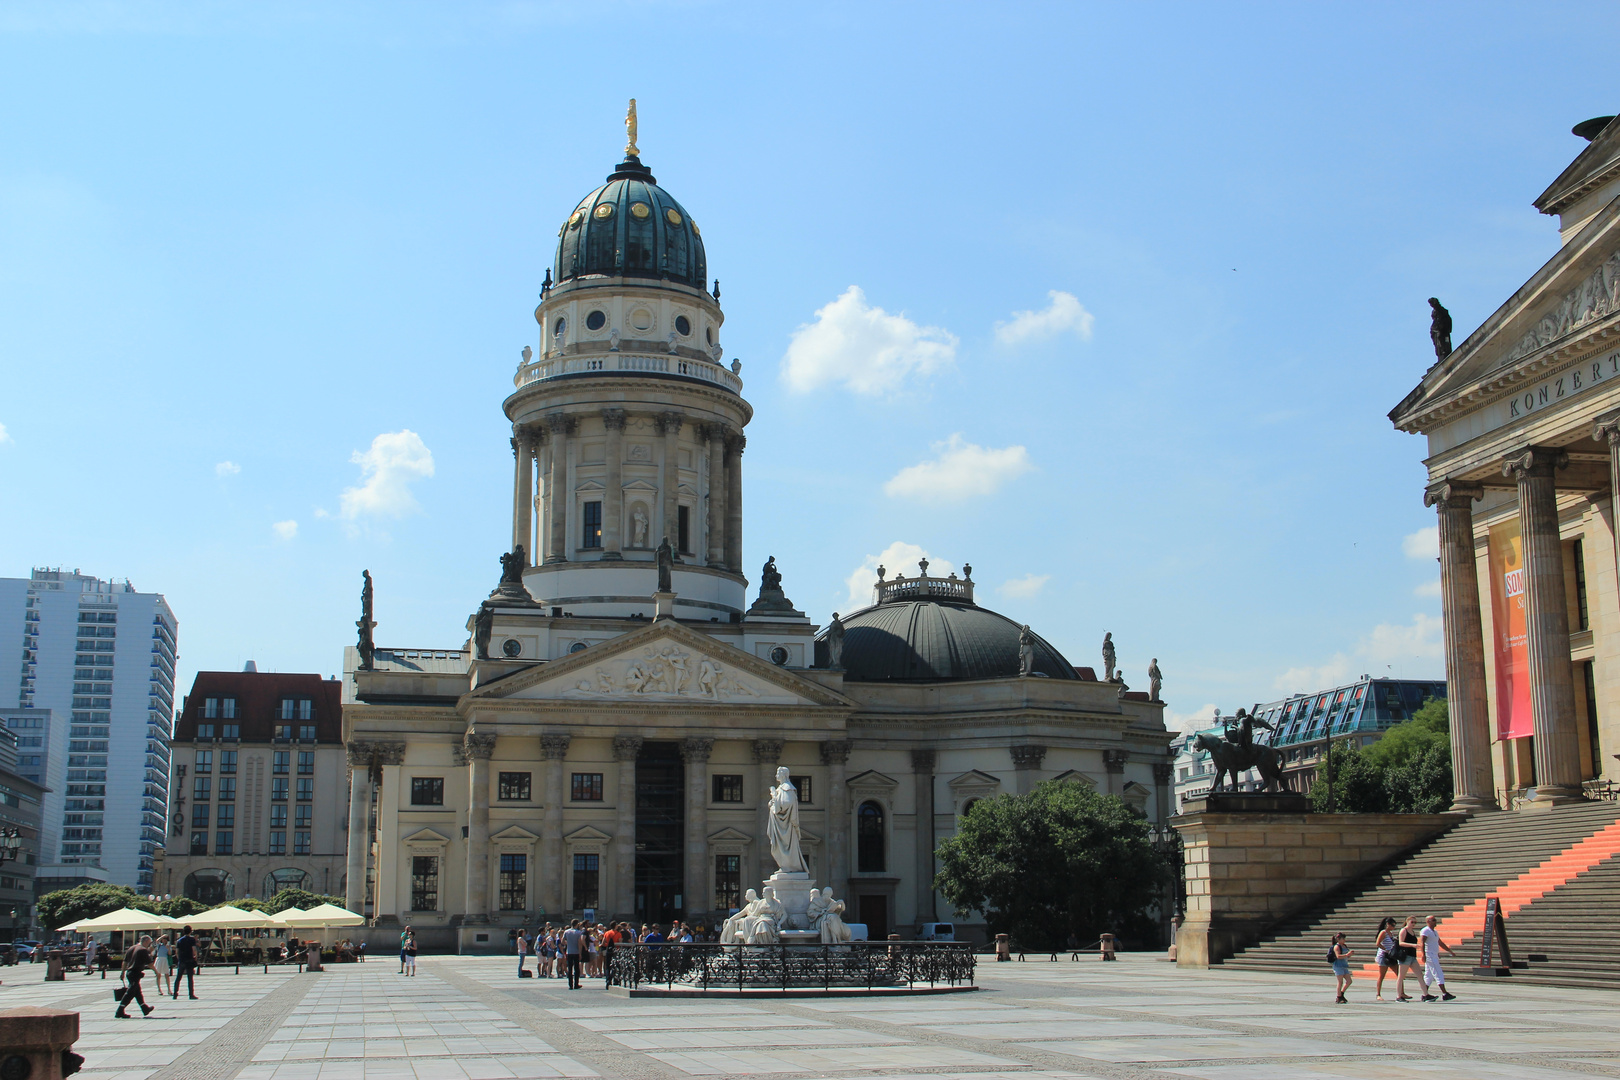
[(38, 1043), (55, 966), (312, 958)]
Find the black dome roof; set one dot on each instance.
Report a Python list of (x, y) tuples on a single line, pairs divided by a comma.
[(631, 227), (929, 640)]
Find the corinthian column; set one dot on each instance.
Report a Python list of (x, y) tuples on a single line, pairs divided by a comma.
[(716, 520), (478, 749), (922, 774), (1552, 684), (734, 451), (695, 891), (625, 750), (835, 755), (767, 752), (354, 893), (553, 749), (523, 528), (1465, 647), (613, 498), (560, 425), (669, 426)]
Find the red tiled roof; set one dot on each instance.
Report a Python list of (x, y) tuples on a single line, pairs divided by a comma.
[(258, 697)]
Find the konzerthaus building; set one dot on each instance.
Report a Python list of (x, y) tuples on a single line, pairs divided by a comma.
[(1523, 423), (605, 741)]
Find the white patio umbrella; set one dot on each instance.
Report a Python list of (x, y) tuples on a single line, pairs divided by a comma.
[(229, 918), (322, 916), (122, 919), (280, 917)]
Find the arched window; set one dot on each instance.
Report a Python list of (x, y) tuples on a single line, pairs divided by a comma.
[(290, 878), (869, 838), (967, 807), (211, 887)]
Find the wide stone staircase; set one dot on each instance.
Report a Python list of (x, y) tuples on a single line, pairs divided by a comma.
[(1557, 875)]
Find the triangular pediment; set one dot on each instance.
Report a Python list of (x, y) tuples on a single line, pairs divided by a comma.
[(640, 485), (871, 779), (663, 663), (587, 832), (516, 833), (729, 835), (1074, 776), (973, 778), (426, 836)]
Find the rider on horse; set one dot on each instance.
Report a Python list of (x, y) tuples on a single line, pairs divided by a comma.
[(1245, 722)]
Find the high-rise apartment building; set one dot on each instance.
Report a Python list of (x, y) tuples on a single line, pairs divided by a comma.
[(93, 706)]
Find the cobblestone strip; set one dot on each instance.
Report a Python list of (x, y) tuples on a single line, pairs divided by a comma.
[(224, 1053)]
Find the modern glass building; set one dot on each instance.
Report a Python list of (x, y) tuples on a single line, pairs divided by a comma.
[(1362, 710)]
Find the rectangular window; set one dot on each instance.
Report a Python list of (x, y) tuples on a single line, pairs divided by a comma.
[(592, 537), (278, 842), (279, 762), (199, 843), (227, 708), (227, 816), (305, 813), (288, 708), (300, 843), (683, 528), (211, 709), (205, 732), (728, 882), (223, 842), (728, 787), (306, 732), (1580, 586), (205, 761), (587, 880), (278, 817), (515, 786), (227, 787), (232, 732), (306, 789), (281, 733), (425, 879), (278, 788), (306, 710), (306, 762), (514, 882), (802, 783), (587, 787), (200, 788), (227, 762), (199, 815), (427, 791)]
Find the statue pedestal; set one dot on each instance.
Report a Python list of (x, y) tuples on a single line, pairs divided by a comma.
[(793, 890), (663, 605)]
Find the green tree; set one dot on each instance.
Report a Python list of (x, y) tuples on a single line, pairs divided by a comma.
[(301, 899), (180, 907), (1407, 771), (1062, 859), (87, 902)]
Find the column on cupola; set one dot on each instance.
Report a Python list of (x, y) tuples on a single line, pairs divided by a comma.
[(923, 761), (1026, 767), (734, 451), (354, 892), (767, 752), (1114, 763), (695, 891), (669, 426), (1552, 683), (523, 526), (626, 748), (1465, 647), (715, 523), (835, 755), (478, 749), (553, 750), (559, 426), (613, 497)]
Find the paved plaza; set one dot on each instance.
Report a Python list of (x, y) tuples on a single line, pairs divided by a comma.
[(465, 1018)]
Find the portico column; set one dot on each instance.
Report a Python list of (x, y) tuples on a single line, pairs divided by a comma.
[(553, 749), (669, 426), (354, 893), (835, 755), (734, 451), (716, 520), (1114, 761), (1465, 647), (1552, 684), (1026, 766), (613, 498), (478, 749), (767, 752), (625, 750), (694, 891), (922, 776), (560, 426), (386, 902)]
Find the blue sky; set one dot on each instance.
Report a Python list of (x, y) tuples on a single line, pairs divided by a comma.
[(244, 248)]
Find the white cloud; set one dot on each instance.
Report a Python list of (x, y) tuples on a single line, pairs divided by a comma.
[(5, 436), (1423, 544), (1377, 653), (898, 558), (1026, 586), (961, 471), (286, 529), (1428, 588), (863, 347), (227, 468), (396, 459), (1064, 315), (1202, 717)]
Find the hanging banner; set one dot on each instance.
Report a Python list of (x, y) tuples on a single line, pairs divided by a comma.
[(1505, 559)]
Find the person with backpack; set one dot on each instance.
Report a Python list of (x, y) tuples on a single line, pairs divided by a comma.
[(136, 960), (1338, 955)]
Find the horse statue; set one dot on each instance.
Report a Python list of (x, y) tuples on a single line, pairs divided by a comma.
[(1232, 755)]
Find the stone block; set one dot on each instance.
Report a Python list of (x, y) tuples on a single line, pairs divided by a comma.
[(39, 1036), (1229, 855)]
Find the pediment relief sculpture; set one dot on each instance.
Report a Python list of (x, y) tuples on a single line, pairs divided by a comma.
[(1591, 300), (663, 672)]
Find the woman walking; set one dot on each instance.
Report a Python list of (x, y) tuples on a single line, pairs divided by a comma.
[(410, 955), (1339, 955), (1386, 944), (161, 964), (1406, 958)]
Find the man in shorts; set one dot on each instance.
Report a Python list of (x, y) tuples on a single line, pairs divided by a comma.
[(1432, 975)]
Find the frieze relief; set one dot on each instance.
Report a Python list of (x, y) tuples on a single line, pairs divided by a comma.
[(664, 673), (1594, 298)]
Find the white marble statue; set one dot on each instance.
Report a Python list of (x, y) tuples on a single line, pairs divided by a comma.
[(782, 829), (764, 926), (639, 535), (834, 931), (732, 929)]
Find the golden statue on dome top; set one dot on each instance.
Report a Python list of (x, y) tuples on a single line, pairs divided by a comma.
[(630, 130)]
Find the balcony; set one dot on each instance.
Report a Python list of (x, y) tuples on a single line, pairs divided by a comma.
[(626, 364)]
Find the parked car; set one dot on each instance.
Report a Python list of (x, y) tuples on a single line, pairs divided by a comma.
[(936, 931)]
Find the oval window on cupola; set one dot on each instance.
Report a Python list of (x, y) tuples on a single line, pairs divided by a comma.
[(683, 326), (595, 320)]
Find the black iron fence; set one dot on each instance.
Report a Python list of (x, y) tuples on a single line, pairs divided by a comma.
[(870, 965)]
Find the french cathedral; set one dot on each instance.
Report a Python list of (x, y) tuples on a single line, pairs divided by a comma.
[(604, 742)]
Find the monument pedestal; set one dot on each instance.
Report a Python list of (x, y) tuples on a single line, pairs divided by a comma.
[(793, 890)]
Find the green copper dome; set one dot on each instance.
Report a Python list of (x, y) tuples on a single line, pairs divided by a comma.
[(631, 227)]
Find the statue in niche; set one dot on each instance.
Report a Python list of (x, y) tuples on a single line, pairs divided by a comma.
[(638, 521), (769, 577), (483, 626), (1026, 651), (835, 644), (782, 827), (1439, 329), (731, 930), (1109, 656), (366, 623), (666, 565), (1155, 680)]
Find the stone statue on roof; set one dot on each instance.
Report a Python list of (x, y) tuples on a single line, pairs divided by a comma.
[(483, 627), (1440, 329), (1155, 680), (1109, 657), (1026, 651), (366, 623), (769, 576), (835, 644), (666, 566)]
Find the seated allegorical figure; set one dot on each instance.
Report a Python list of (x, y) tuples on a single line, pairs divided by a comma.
[(764, 926), (834, 931), (731, 931)]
